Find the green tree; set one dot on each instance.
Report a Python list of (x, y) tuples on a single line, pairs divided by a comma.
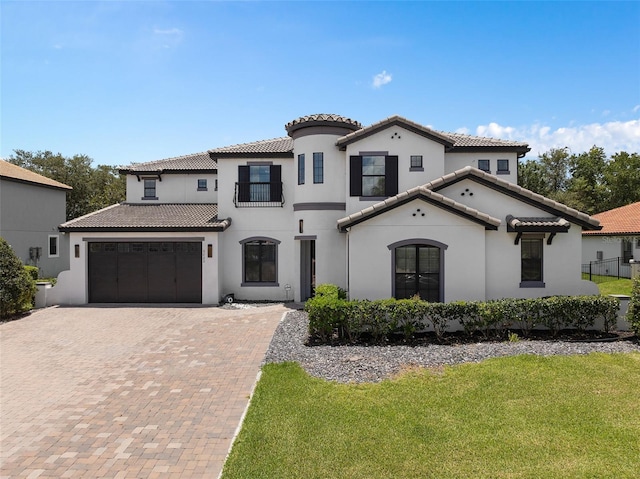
[(585, 189), (555, 166), (93, 188), (622, 179), (531, 175), (16, 286)]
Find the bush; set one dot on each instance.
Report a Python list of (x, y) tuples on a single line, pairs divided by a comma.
[(331, 316), (32, 271), (633, 314), (17, 289)]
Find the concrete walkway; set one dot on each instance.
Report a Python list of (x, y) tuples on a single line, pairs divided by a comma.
[(127, 392)]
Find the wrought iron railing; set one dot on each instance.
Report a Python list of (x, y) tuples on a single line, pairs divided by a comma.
[(606, 270), (252, 195)]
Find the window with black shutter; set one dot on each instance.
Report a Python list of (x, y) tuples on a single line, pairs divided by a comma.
[(259, 185), (373, 176)]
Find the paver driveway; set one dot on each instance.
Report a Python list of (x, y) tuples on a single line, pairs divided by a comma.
[(127, 392)]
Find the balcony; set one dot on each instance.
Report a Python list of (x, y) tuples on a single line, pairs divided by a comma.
[(258, 195)]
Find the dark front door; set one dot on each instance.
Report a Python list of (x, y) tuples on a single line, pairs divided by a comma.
[(417, 272), (307, 269), (145, 272)]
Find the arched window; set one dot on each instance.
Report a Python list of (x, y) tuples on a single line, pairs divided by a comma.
[(418, 269), (259, 261)]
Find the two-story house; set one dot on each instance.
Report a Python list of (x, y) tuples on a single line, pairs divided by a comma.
[(393, 209)]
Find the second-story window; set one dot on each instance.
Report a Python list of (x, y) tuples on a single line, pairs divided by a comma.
[(301, 169), (416, 162), (150, 189), (318, 167), (484, 165), (373, 175), (202, 185), (259, 185), (503, 167)]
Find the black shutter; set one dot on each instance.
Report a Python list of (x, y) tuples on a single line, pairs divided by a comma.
[(391, 176), (243, 184), (275, 180), (355, 176)]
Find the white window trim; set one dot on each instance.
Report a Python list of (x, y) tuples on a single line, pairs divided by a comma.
[(57, 255)]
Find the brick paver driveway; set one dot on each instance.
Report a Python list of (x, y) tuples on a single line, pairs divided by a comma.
[(127, 392)]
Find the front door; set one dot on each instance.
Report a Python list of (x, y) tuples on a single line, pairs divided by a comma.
[(307, 269)]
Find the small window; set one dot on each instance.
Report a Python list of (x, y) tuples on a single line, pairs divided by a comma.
[(484, 165), (503, 167), (301, 169), (318, 167), (202, 185), (150, 189), (216, 184), (416, 163), (54, 246), (599, 255)]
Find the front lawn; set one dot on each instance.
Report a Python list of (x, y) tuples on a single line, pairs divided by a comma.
[(517, 417), (611, 285)]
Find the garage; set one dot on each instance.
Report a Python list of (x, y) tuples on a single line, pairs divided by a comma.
[(145, 272)]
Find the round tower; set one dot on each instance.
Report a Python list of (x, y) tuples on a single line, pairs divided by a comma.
[(319, 197)]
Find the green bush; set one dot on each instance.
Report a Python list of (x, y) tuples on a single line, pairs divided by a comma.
[(17, 289), (333, 317), (32, 271), (633, 314)]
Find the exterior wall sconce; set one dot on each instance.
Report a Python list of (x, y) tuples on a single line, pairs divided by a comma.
[(210, 251), (76, 250), (301, 226)]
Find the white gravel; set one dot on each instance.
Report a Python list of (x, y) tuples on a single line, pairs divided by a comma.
[(356, 364)]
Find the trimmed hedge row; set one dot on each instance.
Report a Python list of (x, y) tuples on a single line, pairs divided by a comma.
[(332, 317)]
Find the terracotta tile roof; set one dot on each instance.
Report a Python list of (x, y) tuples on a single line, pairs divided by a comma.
[(17, 173), (274, 146), (461, 140), (157, 217), (425, 194), (542, 202), (624, 220), (325, 119), (523, 223), (194, 161)]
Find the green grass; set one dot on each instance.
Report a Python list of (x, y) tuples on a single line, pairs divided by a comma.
[(518, 417), (610, 285)]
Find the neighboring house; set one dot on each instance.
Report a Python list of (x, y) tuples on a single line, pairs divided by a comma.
[(31, 208), (392, 209), (610, 249)]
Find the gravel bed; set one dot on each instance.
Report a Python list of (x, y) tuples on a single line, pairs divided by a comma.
[(357, 364)]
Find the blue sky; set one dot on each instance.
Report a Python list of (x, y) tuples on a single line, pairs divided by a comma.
[(138, 81)]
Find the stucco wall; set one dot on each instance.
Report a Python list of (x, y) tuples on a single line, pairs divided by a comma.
[(29, 214), (370, 260), (175, 188)]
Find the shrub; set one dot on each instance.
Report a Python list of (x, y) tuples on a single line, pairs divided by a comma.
[(633, 314), (16, 287), (32, 271)]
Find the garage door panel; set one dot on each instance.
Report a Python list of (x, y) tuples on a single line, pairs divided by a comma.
[(145, 272), (132, 278)]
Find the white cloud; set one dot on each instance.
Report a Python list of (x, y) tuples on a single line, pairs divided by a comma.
[(636, 108), (613, 136), (168, 31), (381, 79)]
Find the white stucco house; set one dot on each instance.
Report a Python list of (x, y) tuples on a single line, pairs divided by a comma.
[(388, 210), (608, 251)]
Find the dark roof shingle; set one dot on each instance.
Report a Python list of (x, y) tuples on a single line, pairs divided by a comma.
[(195, 161), (157, 217)]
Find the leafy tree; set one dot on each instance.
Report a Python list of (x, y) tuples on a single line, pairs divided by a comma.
[(16, 286), (555, 164), (93, 188), (586, 191), (531, 175), (622, 179)]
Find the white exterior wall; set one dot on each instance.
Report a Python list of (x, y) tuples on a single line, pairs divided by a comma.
[(270, 222), (455, 161), (73, 285), (335, 170), (611, 247), (175, 188), (408, 144), (370, 260)]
